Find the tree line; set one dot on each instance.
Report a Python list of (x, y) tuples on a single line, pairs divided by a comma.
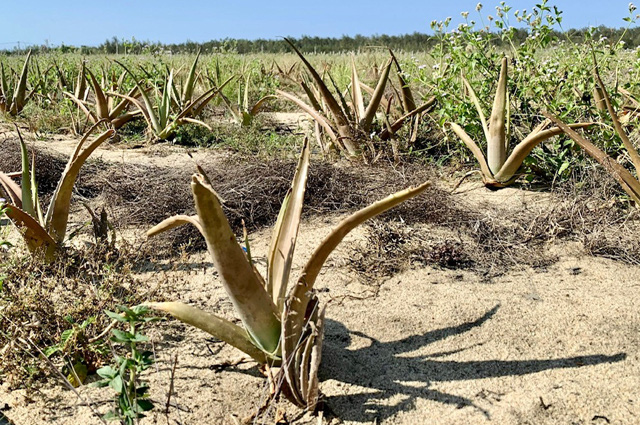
[(416, 42)]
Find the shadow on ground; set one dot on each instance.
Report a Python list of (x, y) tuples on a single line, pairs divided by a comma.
[(385, 371)]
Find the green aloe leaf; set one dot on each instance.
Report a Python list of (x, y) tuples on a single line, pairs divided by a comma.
[(239, 278)]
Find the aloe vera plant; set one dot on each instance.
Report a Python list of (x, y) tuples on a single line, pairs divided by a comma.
[(407, 109), (629, 183), (184, 95), (14, 98), (108, 105), (279, 328), (65, 81), (499, 170), (348, 127), (161, 120), (243, 112), (45, 233)]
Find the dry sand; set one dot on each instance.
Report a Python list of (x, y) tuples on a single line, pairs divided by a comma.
[(554, 345)]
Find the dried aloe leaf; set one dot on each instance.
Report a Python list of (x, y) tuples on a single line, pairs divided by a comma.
[(285, 232)]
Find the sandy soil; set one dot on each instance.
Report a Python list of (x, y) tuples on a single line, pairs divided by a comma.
[(554, 345)]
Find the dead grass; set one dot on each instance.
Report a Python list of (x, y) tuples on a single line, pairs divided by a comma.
[(39, 302), (441, 230), (492, 242)]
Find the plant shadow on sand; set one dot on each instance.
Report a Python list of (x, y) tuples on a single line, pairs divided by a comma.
[(385, 371)]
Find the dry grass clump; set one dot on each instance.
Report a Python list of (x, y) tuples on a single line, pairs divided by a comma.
[(49, 165), (39, 302), (252, 191), (441, 230), (605, 226)]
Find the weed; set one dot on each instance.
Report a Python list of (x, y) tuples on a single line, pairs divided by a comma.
[(59, 306), (132, 394)]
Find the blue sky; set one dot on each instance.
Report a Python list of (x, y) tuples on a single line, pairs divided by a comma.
[(76, 22)]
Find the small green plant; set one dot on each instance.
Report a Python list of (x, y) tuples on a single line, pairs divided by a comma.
[(132, 394), (4, 243), (14, 98), (45, 234), (498, 169), (161, 120), (79, 350)]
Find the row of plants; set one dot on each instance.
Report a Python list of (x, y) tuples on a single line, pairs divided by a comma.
[(401, 105), (282, 320)]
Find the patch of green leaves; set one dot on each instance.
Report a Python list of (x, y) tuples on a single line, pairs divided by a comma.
[(123, 376)]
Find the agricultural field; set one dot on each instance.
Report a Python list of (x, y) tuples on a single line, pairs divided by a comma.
[(446, 236)]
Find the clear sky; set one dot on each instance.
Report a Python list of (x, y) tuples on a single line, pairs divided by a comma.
[(88, 22)]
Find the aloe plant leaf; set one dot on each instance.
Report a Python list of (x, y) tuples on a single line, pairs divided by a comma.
[(198, 105), (474, 148), (122, 105), (320, 119), (12, 189), (629, 184), (285, 232), (35, 236), (299, 298), (19, 95), (408, 103), (538, 128), (312, 392), (88, 113), (297, 343), (235, 110), (148, 112), (631, 149), (335, 109), (496, 143), (341, 97), (164, 109), (301, 366), (260, 103), (385, 102), (121, 120), (524, 148), (476, 102), (148, 116), (252, 302), (245, 98), (173, 222), (27, 193), (81, 82), (3, 83), (311, 96), (220, 328), (320, 255), (57, 216), (386, 133), (356, 92), (370, 113), (190, 84), (34, 191), (102, 106), (195, 121), (83, 140)]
